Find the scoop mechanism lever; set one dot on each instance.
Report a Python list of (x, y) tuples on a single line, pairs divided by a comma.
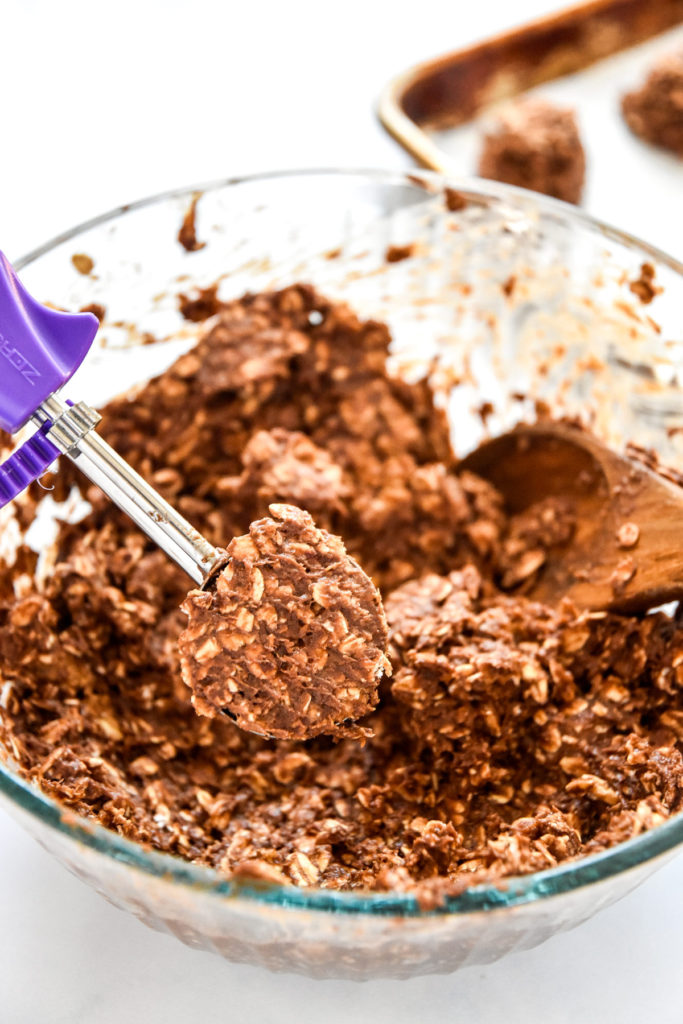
[(40, 350)]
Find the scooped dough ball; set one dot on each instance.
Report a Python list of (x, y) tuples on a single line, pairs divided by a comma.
[(655, 111), (290, 641), (536, 145)]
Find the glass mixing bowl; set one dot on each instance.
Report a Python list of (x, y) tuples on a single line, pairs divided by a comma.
[(508, 299)]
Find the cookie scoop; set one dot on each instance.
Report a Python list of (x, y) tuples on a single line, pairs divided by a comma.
[(286, 633)]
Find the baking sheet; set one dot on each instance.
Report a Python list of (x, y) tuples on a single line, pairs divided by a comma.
[(623, 174)]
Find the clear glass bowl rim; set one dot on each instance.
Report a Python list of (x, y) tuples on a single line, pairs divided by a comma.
[(506, 892)]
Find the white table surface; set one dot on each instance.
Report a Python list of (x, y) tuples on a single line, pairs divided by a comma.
[(104, 103)]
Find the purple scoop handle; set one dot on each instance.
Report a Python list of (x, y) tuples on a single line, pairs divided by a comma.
[(40, 349), (26, 464)]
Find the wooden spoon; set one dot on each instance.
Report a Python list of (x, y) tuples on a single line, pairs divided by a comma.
[(626, 552)]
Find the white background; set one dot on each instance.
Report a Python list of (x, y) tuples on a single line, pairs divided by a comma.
[(103, 103)]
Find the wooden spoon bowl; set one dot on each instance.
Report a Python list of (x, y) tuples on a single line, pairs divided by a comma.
[(626, 552)]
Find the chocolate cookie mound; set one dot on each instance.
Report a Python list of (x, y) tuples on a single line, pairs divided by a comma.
[(655, 111), (290, 642), (536, 145), (286, 467)]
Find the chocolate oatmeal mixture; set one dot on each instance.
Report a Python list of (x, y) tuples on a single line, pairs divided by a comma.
[(510, 736), (290, 640)]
